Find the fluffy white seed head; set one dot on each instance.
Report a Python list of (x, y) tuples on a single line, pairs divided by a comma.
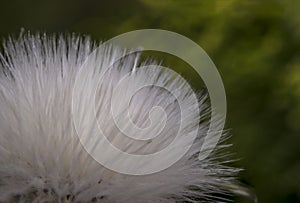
[(41, 156)]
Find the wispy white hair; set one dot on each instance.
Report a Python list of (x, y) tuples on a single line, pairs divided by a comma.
[(41, 158)]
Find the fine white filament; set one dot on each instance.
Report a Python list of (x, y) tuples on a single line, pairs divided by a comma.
[(41, 156)]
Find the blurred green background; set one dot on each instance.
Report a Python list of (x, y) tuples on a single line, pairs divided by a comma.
[(255, 45)]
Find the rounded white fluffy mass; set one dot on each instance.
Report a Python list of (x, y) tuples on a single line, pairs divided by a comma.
[(41, 157)]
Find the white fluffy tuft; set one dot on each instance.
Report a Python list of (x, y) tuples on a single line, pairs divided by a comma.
[(41, 158)]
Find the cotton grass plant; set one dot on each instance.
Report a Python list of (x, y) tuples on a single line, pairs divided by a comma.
[(41, 156)]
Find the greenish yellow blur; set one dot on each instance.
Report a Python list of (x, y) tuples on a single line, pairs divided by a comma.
[(255, 45)]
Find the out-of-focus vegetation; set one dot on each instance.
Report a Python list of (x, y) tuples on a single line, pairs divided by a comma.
[(255, 45)]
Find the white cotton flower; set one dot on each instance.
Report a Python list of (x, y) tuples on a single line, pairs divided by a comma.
[(41, 156)]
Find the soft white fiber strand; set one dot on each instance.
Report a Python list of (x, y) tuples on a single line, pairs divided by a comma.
[(41, 157)]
